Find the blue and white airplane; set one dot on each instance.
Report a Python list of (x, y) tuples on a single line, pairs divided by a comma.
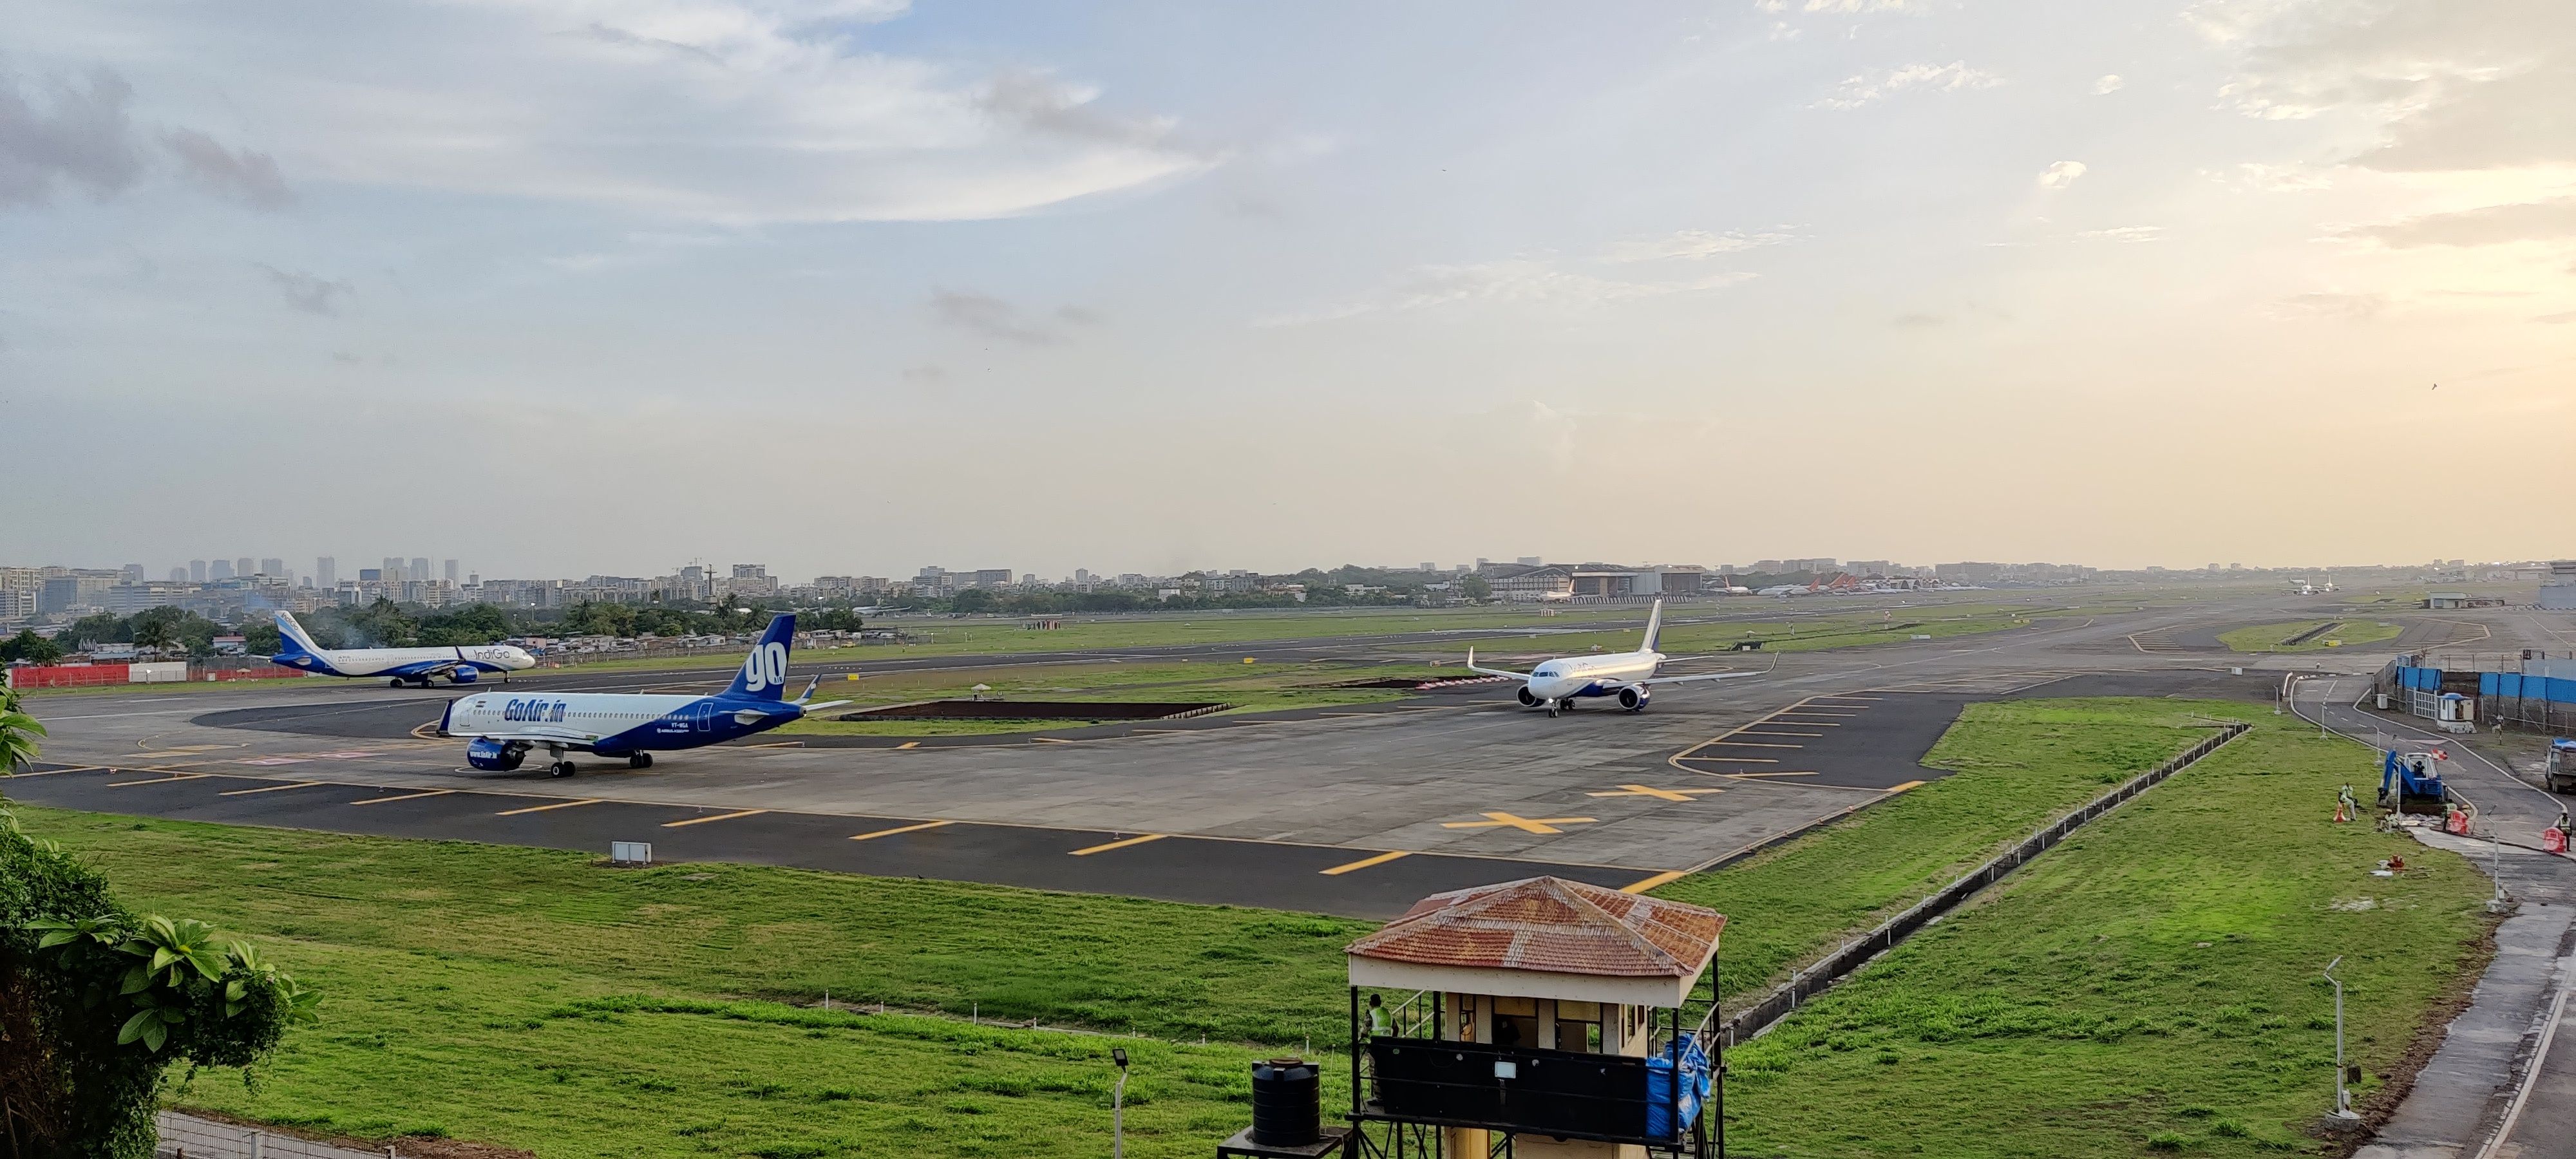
[(1630, 676), (400, 666), (633, 725)]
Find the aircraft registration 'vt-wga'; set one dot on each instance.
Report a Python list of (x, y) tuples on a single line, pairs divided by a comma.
[(1629, 676), (632, 725), (399, 666)]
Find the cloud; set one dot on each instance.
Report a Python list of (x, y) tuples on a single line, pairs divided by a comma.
[(925, 375), (1857, 6), (2358, 307), (2450, 86), (1862, 89), (244, 176), (2491, 225), (994, 318), (308, 292), (1918, 321), (1518, 281), (726, 111), (78, 137), (2110, 83), (1691, 244), (2061, 174), (2125, 233)]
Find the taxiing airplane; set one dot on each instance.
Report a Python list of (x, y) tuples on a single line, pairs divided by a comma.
[(400, 666), (504, 729), (1630, 676)]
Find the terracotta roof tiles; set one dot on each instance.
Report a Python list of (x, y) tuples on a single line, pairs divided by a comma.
[(1552, 925)]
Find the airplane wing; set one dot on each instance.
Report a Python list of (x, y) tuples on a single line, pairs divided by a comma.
[(1471, 667), (824, 704), (1775, 662), (538, 733)]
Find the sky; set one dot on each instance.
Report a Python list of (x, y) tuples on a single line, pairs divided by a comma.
[(853, 287)]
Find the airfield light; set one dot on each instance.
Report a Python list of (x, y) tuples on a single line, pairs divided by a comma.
[(1118, 1106), (2343, 1093)]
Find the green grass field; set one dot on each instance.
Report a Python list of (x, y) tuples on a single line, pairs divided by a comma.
[(531, 998), (1246, 688), (2273, 637), (2151, 986)]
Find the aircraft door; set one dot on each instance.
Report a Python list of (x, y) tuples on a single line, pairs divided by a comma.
[(703, 714)]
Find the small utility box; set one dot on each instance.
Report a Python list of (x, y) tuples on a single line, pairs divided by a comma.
[(2456, 713), (630, 852)]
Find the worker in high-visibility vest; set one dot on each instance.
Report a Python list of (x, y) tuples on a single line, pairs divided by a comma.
[(2346, 808)]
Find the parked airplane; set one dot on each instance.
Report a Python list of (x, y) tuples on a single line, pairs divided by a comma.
[(400, 665), (505, 728), (1630, 676)]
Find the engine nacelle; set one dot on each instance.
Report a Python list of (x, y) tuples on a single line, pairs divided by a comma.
[(465, 675), (495, 756), (1528, 700), (1633, 698)]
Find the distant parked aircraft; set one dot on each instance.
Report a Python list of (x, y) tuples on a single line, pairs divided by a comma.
[(506, 728), (400, 665), (1630, 676)]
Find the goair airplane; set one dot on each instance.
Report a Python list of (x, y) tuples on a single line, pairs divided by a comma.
[(1630, 676), (399, 665), (506, 728)]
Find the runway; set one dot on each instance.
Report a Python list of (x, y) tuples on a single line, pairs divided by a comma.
[(1353, 811)]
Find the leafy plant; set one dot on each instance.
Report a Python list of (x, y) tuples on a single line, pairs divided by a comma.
[(18, 732)]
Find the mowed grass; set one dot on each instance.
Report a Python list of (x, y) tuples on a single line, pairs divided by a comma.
[(1255, 687), (528, 998), (2018, 764), (2151, 986), (2275, 637)]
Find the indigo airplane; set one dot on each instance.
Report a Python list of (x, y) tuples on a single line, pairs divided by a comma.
[(1630, 676), (399, 665), (504, 728)]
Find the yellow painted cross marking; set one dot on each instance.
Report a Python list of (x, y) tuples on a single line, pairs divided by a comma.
[(1659, 794), (717, 817), (1651, 882), (910, 744), (1906, 785), (267, 789), (404, 797), (901, 829), (1364, 863), (543, 808), (156, 780), (1524, 824), (1120, 844)]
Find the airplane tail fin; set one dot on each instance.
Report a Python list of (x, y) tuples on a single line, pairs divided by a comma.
[(1654, 627), (292, 637), (764, 672)]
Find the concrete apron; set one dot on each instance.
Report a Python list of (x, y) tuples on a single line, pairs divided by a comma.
[(2462, 1095)]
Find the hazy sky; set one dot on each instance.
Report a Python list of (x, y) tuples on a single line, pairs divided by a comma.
[(571, 286)]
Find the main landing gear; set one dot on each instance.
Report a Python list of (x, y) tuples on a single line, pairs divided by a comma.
[(559, 769), (640, 761)]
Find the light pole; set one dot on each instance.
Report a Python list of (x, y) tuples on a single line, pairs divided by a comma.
[(2343, 1094), (1118, 1100)]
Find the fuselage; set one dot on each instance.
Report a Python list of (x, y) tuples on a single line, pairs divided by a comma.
[(614, 723), (1602, 675), (407, 662)]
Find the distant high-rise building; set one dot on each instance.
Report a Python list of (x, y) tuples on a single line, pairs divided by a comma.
[(418, 572), (326, 572), (178, 575), (134, 573), (221, 569), (274, 568), (392, 571), (1427, 565), (452, 571), (1528, 561), (244, 568), (196, 571)]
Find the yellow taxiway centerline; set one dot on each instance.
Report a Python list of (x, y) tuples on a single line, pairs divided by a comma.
[(543, 808), (687, 821), (901, 829), (269, 788), (1670, 875), (159, 780), (1120, 844), (72, 769), (1366, 862), (404, 797), (1906, 785)]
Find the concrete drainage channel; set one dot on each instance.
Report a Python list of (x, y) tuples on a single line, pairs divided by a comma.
[(189, 1137), (1823, 976)]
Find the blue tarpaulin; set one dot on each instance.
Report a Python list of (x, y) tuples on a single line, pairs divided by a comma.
[(1660, 1123), (2512, 684)]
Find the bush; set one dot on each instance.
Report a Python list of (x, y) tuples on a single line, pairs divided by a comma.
[(97, 1003)]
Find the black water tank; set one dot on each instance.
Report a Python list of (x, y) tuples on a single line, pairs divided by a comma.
[(1287, 1103)]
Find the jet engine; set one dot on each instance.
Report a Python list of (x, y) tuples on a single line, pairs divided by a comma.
[(495, 756), (1527, 700), (1633, 698), (463, 675)]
